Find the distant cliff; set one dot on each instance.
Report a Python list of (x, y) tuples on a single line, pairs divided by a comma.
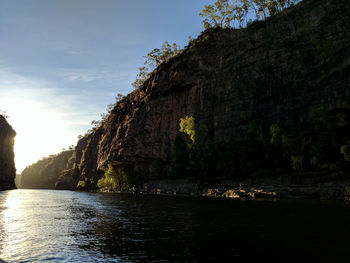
[(269, 99), (44, 173), (7, 163)]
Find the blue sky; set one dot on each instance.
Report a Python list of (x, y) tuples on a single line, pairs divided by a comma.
[(63, 61)]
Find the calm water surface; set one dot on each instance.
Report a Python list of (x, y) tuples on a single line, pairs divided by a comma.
[(64, 226)]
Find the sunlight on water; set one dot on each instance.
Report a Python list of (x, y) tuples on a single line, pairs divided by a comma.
[(34, 225), (66, 226), (12, 211)]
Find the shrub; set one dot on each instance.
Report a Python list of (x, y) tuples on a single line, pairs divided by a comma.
[(297, 163), (345, 150), (187, 126), (109, 181), (81, 185), (115, 180)]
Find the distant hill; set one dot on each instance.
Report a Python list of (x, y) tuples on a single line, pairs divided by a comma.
[(44, 173)]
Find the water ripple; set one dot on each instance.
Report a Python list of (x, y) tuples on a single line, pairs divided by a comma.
[(64, 226)]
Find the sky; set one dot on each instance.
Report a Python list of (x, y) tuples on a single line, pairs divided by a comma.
[(63, 61)]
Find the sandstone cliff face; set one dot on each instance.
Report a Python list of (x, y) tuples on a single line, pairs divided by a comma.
[(69, 178), (276, 71), (7, 163)]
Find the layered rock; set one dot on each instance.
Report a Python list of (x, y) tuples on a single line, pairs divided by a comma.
[(7, 163), (69, 178), (274, 71)]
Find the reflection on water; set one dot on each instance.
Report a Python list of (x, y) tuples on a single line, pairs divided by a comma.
[(64, 226)]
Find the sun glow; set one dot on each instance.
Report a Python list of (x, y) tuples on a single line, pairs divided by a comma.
[(46, 118), (41, 130)]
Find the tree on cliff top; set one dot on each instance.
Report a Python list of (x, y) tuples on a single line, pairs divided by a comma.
[(230, 13), (153, 59)]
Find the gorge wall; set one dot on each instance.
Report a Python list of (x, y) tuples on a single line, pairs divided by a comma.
[(7, 163), (274, 71), (44, 173)]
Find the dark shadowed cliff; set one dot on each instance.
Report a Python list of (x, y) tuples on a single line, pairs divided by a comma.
[(290, 73), (7, 163)]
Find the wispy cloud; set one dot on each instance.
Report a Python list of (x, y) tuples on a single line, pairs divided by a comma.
[(89, 75), (45, 117)]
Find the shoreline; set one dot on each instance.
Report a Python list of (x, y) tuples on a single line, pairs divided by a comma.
[(250, 189)]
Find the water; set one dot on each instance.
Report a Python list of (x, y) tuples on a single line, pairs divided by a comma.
[(65, 226)]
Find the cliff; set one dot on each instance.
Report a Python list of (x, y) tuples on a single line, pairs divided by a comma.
[(44, 173), (7, 163), (290, 72)]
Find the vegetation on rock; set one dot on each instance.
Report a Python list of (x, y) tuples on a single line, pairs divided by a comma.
[(45, 173), (153, 59), (265, 101), (234, 13), (115, 179)]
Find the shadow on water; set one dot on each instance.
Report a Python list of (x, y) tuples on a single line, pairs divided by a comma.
[(152, 228), (86, 227)]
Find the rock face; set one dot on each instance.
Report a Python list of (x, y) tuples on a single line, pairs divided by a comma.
[(7, 163), (44, 173), (69, 178), (275, 71)]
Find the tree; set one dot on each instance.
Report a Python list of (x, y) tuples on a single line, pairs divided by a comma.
[(345, 150), (224, 13), (119, 97), (218, 15), (187, 126), (153, 59), (158, 56)]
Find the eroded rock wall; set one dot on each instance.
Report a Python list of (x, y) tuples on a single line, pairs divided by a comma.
[(275, 71)]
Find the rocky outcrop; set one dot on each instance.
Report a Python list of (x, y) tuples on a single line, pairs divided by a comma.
[(69, 178), (44, 173), (274, 71), (7, 162)]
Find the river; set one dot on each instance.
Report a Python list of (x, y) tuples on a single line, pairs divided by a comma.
[(66, 226)]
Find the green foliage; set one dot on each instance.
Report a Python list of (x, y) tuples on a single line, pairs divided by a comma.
[(313, 147), (110, 179), (220, 14), (45, 172), (81, 185), (141, 76), (124, 179), (159, 55), (115, 180), (297, 163), (278, 136), (256, 134), (225, 13), (187, 126), (345, 150), (153, 59)]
